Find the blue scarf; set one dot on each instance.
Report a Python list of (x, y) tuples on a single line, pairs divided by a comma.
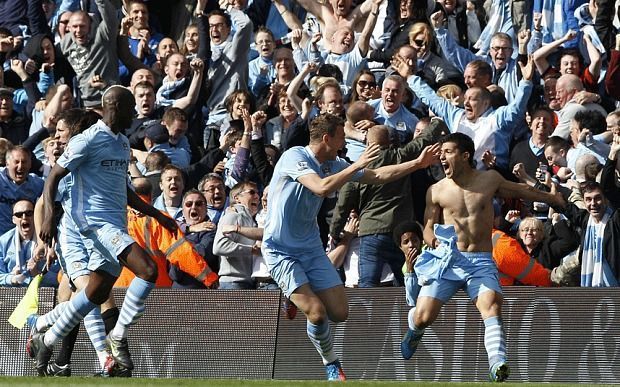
[(166, 90)]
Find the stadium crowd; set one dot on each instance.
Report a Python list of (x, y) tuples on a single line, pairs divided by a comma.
[(222, 89)]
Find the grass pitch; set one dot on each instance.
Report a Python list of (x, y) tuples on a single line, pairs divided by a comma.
[(84, 381)]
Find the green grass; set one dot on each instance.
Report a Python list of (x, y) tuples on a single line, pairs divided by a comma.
[(82, 381)]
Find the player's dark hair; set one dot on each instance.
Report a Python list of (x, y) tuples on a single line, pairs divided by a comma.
[(323, 124), (463, 142)]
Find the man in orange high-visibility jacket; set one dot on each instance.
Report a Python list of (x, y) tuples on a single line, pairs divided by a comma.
[(514, 264), (165, 247)]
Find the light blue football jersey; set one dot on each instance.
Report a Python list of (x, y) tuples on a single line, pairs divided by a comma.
[(98, 159), (291, 223)]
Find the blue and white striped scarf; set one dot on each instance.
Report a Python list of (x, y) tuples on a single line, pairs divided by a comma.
[(586, 25), (552, 22), (165, 92), (595, 271), (500, 21)]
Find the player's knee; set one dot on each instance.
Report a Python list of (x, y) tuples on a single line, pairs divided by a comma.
[(492, 311), (97, 297), (423, 318), (316, 313), (149, 271)]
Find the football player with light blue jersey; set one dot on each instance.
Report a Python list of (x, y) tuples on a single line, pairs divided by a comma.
[(98, 160), (291, 244)]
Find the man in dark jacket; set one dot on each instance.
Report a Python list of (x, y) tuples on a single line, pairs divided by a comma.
[(381, 207)]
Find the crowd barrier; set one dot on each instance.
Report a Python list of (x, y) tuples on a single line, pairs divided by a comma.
[(554, 335)]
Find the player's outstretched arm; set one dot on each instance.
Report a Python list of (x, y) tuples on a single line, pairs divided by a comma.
[(48, 228), (509, 189), (389, 173), (325, 186)]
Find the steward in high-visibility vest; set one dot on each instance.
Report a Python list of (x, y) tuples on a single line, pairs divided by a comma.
[(166, 248), (514, 264)]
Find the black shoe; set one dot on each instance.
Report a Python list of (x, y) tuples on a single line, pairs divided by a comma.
[(120, 352), (41, 352), (54, 369)]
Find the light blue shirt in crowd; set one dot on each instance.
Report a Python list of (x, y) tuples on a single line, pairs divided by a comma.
[(10, 192), (402, 120)]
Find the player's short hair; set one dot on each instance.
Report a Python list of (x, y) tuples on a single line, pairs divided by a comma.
[(323, 124), (464, 143), (78, 120), (404, 227)]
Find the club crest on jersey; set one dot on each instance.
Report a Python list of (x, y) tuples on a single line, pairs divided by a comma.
[(326, 170), (115, 240), (301, 165)]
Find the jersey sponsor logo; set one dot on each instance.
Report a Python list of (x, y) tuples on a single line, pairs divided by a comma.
[(113, 163), (301, 165)]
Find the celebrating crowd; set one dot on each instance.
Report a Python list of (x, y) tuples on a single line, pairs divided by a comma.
[(259, 136)]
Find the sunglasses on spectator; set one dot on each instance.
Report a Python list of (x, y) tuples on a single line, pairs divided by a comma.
[(198, 203), (20, 214), (420, 42), (365, 84)]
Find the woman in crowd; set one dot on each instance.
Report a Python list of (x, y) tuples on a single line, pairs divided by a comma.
[(364, 87), (549, 243)]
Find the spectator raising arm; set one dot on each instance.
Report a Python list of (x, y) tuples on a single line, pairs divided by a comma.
[(540, 55)]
